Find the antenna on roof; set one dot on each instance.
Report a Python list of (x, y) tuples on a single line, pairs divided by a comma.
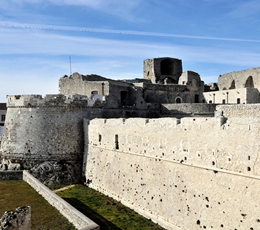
[(70, 65)]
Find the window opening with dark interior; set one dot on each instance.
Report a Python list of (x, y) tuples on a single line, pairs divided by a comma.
[(116, 142), (167, 67)]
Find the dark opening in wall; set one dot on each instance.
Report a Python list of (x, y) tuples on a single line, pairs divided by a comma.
[(99, 137), (210, 101), (223, 101), (233, 85), (116, 142), (248, 169), (123, 95), (95, 92), (178, 100), (249, 82), (167, 67), (196, 98)]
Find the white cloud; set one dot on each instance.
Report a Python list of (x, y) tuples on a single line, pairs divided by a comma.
[(122, 9)]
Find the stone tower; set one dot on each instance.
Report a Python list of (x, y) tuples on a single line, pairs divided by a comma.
[(162, 70)]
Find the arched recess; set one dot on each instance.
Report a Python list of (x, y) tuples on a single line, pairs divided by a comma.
[(177, 100), (233, 85), (249, 82), (167, 67)]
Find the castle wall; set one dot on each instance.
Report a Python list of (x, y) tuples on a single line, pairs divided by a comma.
[(78, 84), (157, 69), (233, 96), (249, 78), (188, 109), (46, 136), (250, 111), (188, 173)]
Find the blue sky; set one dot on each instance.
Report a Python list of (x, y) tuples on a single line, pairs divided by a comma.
[(113, 37)]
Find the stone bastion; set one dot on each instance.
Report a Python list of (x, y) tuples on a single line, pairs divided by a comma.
[(45, 135)]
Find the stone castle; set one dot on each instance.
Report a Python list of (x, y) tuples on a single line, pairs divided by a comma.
[(178, 151)]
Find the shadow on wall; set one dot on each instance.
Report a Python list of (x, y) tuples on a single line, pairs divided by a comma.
[(87, 211)]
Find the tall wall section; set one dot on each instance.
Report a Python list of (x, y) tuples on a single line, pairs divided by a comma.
[(45, 135), (189, 173), (249, 78)]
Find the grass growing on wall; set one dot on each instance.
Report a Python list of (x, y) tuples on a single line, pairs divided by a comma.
[(15, 194), (96, 206)]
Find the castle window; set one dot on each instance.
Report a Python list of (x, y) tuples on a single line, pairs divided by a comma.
[(116, 142), (178, 100), (210, 101), (238, 100), (3, 118), (99, 137), (196, 98), (95, 92), (123, 95), (223, 101)]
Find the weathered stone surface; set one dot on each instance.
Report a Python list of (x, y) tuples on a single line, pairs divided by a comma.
[(20, 219), (62, 172), (8, 165), (181, 172)]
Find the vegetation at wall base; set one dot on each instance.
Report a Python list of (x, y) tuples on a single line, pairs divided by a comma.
[(17, 193), (105, 211)]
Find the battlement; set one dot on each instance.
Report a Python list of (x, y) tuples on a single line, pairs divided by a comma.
[(53, 100)]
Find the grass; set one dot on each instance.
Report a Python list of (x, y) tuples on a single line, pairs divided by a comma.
[(44, 217), (94, 205)]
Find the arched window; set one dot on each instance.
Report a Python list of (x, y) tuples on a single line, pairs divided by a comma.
[(249, 82), (178, 100), (233, 85)]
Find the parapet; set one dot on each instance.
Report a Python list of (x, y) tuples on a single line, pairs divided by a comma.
[(53, 100)]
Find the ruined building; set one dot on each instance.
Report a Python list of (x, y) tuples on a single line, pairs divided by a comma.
[(167, 145)]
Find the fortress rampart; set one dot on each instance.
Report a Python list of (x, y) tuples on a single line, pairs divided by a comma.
[(46, 134), (182, 173)]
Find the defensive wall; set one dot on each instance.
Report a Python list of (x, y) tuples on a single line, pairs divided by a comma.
[(189, 173), (233, 96), (249, 78), (45, 134)]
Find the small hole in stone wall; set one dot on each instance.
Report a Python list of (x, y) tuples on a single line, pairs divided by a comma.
[(229, 159), (185, 158), (213, 162), (248, 169), (222, 226), (198, 222), (99, 137), (249, 158), (198, 155)]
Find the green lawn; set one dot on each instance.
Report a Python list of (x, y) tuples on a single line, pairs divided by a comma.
[(15, 194), (94, 205)]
